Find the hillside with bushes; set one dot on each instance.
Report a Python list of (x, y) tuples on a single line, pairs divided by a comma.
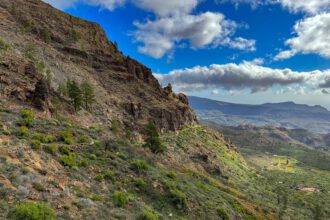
[(88, 133)]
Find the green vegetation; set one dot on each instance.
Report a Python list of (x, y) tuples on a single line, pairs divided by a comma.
[(99, 177), (65, 149), (120, 199), (39, 187), (223, 213), (152, 140), (6, 132), (35, 144), (139, 165), (140, 183), (148, 215), (178, 198), (84, 139), (27, 118), (109, 175), (45, 35), (115, 126), (81, 96), (88, 95), (75, 94), (51, 148), (67, 137), (68, 160), (30, 52), (23, 132), (3, 45), (33, 211), (197, 177), (43, 138), (28, 25)]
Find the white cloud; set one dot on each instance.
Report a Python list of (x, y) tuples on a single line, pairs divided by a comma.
[(286, 54), (206, 29), (106, 4), (254, 3), (246, 75), (258, 61), (174, 24), (239, 43), (312, 37), (215, 92), (307, 6), (167, 8)]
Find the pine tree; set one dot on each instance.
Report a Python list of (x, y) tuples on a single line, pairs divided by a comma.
[(153, 141), (88, 95), (75, 94)]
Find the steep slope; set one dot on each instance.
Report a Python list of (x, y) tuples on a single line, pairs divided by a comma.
[(42, 42), (286, 114), (94, 174)]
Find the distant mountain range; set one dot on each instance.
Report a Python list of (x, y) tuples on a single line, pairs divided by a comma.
[(286, 114)]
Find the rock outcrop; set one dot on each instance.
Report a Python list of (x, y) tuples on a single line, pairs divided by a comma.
[(45, 41)]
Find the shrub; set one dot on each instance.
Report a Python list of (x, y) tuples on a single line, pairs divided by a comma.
[(30, 52), (99, 177), (172, 175), (43, 137), (140, 183), (49, 138), (28, 25), (67, 137), (41, 66), (109, 175), (148, 215), (83, 163), (38, 136), (32, 211), (27, 117), (97, 198), (139, 165), (120, 199), (84, 139), (223, 213), (178, 198), (115, 126), (6, 132), (39, 187), (97, 143), (46, 36), (65, 149), (68, 160), (51, 148), (128, 134), (92, 157), (3, 45), (35, 144), (152, 140), (23, 132)]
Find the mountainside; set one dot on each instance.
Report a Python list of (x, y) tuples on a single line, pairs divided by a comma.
[(287, 114), (38, 42), (136, 153), (88, 173), (57, 162)]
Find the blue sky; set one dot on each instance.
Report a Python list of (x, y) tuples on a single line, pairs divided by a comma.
[(247, 51)]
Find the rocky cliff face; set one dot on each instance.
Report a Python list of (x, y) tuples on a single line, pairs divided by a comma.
[(44, 47)]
